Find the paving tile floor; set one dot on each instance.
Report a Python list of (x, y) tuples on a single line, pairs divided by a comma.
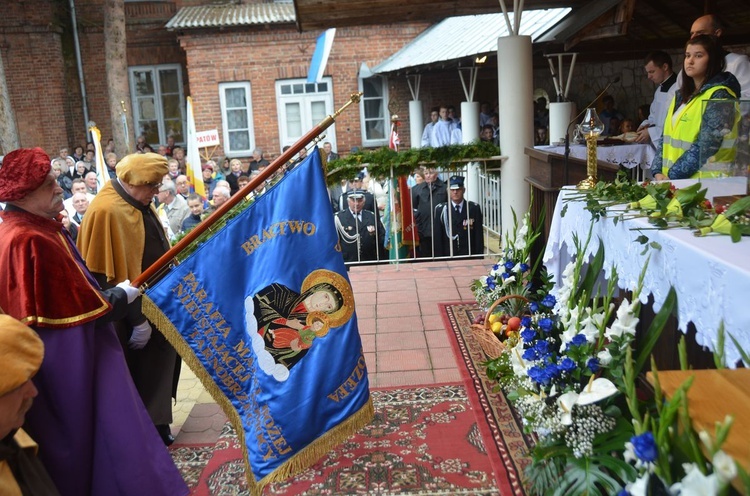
[(403, 335)]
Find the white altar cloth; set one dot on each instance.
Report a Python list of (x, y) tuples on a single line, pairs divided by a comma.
[(630, 156), (711, 275)]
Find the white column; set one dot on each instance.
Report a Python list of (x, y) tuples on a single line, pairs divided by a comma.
[(560, 114), (416, 123), (469, 133), (515, 100)]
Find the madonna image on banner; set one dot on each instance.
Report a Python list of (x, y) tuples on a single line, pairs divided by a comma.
[(263, 313)]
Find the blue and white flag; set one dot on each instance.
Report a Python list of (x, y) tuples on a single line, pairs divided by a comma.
[(263, 312), (320, 55)]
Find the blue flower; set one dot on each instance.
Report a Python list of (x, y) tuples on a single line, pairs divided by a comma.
[(491, 282), (567, 364), (509, 265), (623, 492), (529, 354), (505, 275), (549, 301), (552, 371), (593, 365), (545, 324), (645, 447), (495, 267), (526, 322), (528, 335), (578, 340), (537, 374), (534, 307), (541, 347), (524, 267)]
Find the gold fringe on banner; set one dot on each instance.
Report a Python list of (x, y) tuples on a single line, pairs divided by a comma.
[(294, 465)]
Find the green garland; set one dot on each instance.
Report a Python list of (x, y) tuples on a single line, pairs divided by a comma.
[(379, 162)]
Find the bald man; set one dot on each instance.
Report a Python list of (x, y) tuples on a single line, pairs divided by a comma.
[(736, 63)]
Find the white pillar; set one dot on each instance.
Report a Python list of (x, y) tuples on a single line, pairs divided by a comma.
[(515, 100), (469, 133), (560, 114), (416, 124)]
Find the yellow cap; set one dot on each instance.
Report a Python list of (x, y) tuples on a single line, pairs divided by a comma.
[(21, 353), (142, 168)]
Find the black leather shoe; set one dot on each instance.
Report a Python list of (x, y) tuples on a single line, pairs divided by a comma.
[(165, 434)]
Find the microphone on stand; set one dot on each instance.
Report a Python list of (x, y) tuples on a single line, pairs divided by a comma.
[(567, 128)]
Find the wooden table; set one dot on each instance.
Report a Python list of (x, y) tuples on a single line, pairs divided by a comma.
[(714, 395)]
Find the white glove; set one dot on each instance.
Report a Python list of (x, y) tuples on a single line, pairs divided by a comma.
[(141, 335), (131, 292)]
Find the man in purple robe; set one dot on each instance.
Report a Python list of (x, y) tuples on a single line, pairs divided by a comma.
[(94, 433)]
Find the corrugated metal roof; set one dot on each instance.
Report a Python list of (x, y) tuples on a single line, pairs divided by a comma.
[(224, 15), (466, 36)]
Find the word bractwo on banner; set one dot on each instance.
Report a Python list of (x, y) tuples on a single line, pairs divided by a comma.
[(271, 329)]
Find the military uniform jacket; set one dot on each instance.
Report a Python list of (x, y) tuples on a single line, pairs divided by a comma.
[(463, 231), (360, 240)]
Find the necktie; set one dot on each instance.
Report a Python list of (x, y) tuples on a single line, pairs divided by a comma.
[(457, 209)]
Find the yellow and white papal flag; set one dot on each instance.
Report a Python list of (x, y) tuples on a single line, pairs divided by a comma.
[(192, 155)]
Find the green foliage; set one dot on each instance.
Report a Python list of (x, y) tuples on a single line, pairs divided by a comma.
[(655, 330), (383, 162)]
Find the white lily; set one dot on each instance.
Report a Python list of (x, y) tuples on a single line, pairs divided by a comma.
[(566, 402), (516, 360), (604, 357), (639, 487), (625, 322), (695, 483), (724, 466), (596, 390)]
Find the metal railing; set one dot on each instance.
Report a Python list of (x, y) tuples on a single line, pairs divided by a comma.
[(482, 184)]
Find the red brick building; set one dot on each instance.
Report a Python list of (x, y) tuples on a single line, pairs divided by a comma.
[(244, 64)]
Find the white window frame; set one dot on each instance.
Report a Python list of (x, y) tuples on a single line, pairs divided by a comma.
[(303, 99), (155, 69), (363, 118), (224, 121)]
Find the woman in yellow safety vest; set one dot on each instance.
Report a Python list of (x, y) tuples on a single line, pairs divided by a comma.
[(687, 129)]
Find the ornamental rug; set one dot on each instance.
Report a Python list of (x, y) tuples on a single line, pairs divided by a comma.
[(499, 424), (423, 440)]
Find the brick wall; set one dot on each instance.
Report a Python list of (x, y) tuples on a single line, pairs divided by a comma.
[(40, 65), (265, 55)]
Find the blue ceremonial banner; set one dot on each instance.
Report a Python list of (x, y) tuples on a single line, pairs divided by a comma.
[(263, 312)]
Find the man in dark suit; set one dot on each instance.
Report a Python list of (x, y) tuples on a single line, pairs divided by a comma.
[(425, 196), (361, 234), (458, 224), (328, 152)]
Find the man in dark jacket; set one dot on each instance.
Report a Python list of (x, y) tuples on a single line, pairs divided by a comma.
[(424, 198)]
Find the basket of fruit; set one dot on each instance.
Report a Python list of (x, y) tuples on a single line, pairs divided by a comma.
[(496, 327)]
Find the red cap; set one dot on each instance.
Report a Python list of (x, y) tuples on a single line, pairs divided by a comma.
[(23, 171)]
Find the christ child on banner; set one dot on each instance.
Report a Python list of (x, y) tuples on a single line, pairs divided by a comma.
[(288, 322)]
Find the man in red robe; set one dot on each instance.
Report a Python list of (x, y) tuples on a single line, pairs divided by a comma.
[(95, 434)]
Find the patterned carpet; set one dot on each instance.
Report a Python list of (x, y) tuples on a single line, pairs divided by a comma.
[(498, 424), (423, 441)]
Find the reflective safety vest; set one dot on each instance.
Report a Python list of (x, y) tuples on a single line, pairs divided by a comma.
[(682, 131)]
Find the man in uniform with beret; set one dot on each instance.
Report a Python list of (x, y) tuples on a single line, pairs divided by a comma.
[(94, 431), (361, 234), (21, 353), (120, 237), (458, 224)]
